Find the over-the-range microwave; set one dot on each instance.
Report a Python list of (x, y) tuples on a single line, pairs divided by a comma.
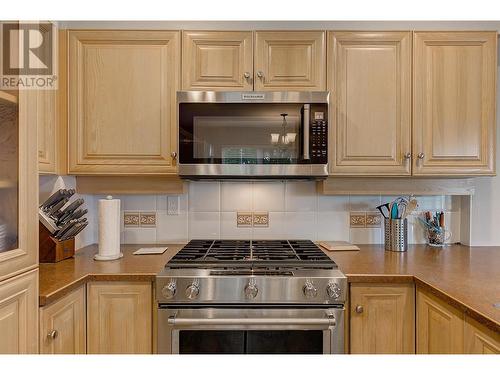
[(226, 135)]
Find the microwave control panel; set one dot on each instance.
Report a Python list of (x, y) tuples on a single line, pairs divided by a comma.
[(318, 138)]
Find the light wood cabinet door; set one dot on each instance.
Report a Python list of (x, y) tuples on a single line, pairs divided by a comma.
[(119, 318), (382, 319), (19, 314), (63, 325), (122, 101), (290, 60), (479, 339), (18, 184), (369, 77), (440, 327), (454, 103), (217, 60), (46, 112)]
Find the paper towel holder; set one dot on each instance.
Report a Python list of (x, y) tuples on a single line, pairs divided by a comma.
[(116, 256)]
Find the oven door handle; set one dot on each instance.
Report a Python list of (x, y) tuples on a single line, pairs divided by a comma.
[(329, 321), (305, 130)]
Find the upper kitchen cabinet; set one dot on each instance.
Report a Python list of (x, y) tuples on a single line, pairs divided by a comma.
[(217, 60), (369, 77), (122, 95), (47, 130), (454, 85), (290, 60), (18, 184)]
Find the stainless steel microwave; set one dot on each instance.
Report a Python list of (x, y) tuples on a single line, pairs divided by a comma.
[(253, 134)]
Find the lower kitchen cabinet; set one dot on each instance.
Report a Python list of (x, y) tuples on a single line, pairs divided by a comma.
[(440, 326), (19, 314), (479, 339), (382, 319), (63, 326), (119, 318)]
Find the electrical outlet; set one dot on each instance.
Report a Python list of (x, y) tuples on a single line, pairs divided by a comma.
[(173, 205)]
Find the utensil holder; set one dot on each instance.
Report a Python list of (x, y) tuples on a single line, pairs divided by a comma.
[(396, 234), (51, 250)]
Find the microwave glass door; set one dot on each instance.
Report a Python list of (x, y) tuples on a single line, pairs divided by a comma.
[(240, 133)]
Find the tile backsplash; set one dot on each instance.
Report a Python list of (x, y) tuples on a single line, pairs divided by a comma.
[(276, 209), (293, 208)]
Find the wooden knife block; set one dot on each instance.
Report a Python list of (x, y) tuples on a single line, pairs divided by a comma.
[(51, 250)]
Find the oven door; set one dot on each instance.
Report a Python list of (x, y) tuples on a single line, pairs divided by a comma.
[(259, 330)]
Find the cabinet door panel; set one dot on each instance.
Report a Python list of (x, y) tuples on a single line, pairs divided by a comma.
[(18, 184), (122, 117), (47, 126), (217, 60), (66, 317), (479, 339), (19, 314), (454, 102), (386, 323), (119, 318), (369, 78), (440, 327), (290, 60)]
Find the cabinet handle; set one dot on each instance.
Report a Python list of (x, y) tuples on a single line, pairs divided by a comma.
[(174, 155), (421, 155), (246, 75), (408, 156), (359, 309), (260, 74), (52, 334)]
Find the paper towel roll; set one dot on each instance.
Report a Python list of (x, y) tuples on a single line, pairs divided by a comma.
[(109, 229)]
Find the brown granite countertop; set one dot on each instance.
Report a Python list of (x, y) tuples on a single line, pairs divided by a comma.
[(467, 277), (57, 279)]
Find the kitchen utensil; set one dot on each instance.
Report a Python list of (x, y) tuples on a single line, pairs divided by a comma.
[(385, 210), (66, 228), (70, 209), (54, 209), (80, 228), (410, 207), (53, 199)]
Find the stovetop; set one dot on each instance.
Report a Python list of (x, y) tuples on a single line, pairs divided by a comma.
[(251, 254)]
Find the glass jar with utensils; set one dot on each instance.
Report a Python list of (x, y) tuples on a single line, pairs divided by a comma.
[(396, 223), (435, 232)]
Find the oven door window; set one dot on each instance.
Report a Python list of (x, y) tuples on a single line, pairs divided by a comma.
[(231, 133), (251, 342)]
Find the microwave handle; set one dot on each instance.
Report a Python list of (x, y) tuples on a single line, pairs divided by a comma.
[(305, 129)]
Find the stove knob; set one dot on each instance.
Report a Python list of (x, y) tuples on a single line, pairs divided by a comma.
[(251, 290), (169, 290), (193, 290), (333, 290), (309, 290)]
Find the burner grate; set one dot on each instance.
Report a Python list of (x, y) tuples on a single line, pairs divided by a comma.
[(245, 253)]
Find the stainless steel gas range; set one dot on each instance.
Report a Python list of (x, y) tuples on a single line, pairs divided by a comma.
[(236, 296)]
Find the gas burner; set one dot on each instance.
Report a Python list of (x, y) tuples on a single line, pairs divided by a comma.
[(272, 254)]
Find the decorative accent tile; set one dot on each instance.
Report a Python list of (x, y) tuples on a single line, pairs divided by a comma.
[(148, 219), (244, 219), (131, 219), (261, 219), (357, 219), (373, 220)]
